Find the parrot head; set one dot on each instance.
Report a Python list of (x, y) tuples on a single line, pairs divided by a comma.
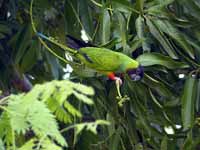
[(136, 73)]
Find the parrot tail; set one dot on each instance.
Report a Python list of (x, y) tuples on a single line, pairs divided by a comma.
[(42, 36), (76, 43)]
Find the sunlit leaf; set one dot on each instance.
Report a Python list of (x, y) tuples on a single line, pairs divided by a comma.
[(167, 28), (141, 33), (155, 31), (106, 24), (188, 103), (149, 59)]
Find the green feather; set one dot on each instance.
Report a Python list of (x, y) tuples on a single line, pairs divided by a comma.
[(105, 60)]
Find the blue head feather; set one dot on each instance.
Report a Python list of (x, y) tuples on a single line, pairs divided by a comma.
[(136, 74), (76, 43)]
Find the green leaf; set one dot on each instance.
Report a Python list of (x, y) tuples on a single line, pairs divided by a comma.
[(86, 16), (124, 6), (175, 34), (55, 94), (28, 145), (155, 100), (106, 24), (155, 31), (72, 110), (160, 87), (192, 7), (48, 144), (83, 89), (136, 43), (13, 42), (23, 42), (188, 103), (71, 21), (149, 59), (30, 57), (160, 5), (60, 112), (198, 96), (4, 28), (83, 98), (6, 129), (35, 115), (110, 44), (18, 118), (2, 36), (172, 103), (53, 64), (139, 146), (140, 5), (122, 30), (37, 110), (2, 145), (140, 25), (164, 143), (188, 143), (90, 126), (33, 111), (115, 143)]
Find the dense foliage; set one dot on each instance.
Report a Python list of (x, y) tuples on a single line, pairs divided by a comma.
[(40, 110)]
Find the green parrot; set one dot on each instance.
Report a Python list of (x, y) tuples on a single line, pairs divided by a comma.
[(102, 60)]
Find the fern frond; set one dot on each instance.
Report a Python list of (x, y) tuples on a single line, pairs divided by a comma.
[(34, 110), (29, 145), (90, 126), (5, 129), (43, 123), (45, 144), (17, 112), (59, 111), (56, 93), (33, 114)]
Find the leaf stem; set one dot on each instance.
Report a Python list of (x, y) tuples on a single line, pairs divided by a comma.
[(41, 41)]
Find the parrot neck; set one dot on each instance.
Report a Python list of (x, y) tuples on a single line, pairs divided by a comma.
[(132, 65)]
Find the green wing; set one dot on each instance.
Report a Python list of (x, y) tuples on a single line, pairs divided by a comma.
[(103, 60)]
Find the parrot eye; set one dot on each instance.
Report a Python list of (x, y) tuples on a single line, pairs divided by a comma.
[(136, 74)]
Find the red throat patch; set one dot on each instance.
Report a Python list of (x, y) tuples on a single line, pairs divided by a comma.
[(111, 76)]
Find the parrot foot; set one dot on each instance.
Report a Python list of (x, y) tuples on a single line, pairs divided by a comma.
[(121, 98), (118, 81)]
